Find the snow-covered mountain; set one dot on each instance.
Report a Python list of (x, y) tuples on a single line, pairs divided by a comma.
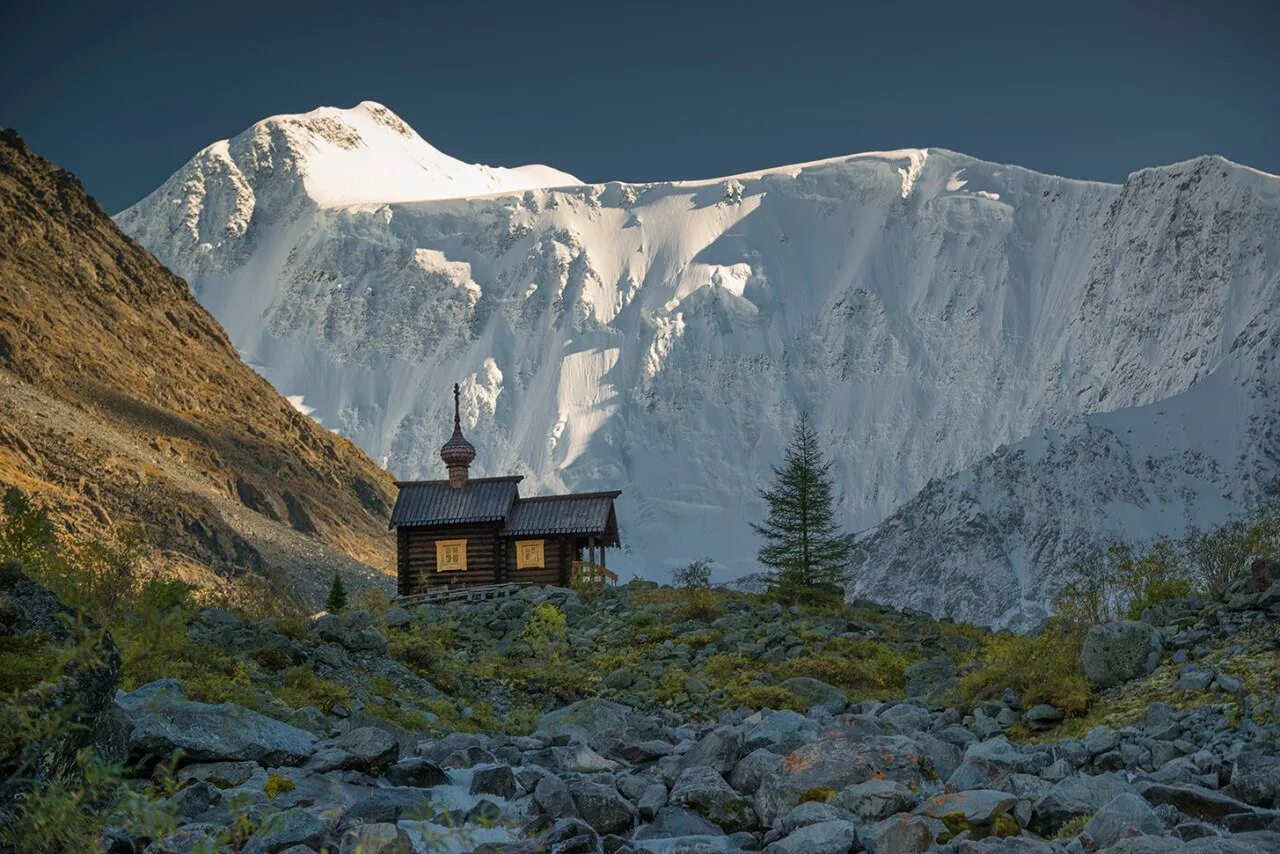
[(926, 307)]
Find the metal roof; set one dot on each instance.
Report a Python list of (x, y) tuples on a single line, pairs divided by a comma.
[(435, 502), (586, 513)]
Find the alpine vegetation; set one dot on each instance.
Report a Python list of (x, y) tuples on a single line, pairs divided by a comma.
[(803, 546)]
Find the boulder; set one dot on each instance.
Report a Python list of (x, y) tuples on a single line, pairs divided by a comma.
[(874, 800), (839, 758), (497, 780), (602, 807), (931, 677), (815, 692), (599, 722), (986, 812), (1196, 801), (552, 798), (417, 772), (902, 834), (163, 723), (375, 838), (751, 770), (988, 764), (827, 837), (1042, 717), (1075, 796), (652, 799), (1120, 651), (719, 749), (1255, 779), (676, 822), (284, 829), (1123, 816), (372, 750), (706, 793)]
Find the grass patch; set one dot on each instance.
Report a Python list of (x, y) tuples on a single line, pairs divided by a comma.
[(1042, 669)]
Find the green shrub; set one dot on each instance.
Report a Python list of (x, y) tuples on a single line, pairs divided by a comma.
[(1041, 668), (545, 630), (302, 687), (26, 661), (766, 697), (277, 784)]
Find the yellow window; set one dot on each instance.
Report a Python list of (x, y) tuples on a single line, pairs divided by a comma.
[(451, 555), (529, 554)]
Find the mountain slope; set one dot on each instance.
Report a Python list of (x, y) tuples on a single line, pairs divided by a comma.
[(926, 307), (122, 400)]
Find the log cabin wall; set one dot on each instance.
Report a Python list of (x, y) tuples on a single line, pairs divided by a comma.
[(557, 559), (417, 557)]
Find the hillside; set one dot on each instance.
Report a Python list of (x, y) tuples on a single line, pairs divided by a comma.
[(121, 400), (926, 307)]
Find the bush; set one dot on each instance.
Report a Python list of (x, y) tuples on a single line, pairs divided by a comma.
[(694, 575), (277, 784), (545, 630), (302, 687), (1042, 668)]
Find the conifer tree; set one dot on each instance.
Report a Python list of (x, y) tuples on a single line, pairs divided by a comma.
[(804, 548), (336, 602)]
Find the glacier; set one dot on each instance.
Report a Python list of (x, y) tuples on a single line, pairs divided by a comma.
[(1004, 364)]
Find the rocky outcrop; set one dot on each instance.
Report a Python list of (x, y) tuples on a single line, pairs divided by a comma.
[(1117, 652)]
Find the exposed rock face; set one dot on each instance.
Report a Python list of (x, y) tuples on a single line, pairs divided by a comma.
[(163, 721), (1117, 652), (108, 365)]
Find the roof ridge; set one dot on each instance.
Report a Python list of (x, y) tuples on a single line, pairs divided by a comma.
[(514, 478), (608, 493)]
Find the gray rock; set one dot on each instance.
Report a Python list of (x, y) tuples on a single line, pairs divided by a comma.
[(1255, 779), (977, 807), (815, 692), (619, 679), (706, 793), (375, 838), (602, 807), (1120, 651), (1101, 739), (719, 749), (417, 772), (223, 775), (372, 750), (902, 834), (875, 800), (906, 717), (988, 764), (497, 780), (651, 800), (284, 829), (930, 677), (827, 837), (599, 722), (810, 812), (553, 798), (1195, 801), (675, 822), (752, 769), (1194, 678), (776, 729), (1123, 816), (206, 733), (1042, 716), (1075, 796)]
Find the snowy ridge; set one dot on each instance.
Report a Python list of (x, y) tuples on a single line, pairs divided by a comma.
[(926, 307)]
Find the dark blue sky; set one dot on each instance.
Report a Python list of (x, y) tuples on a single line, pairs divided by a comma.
[(123, 94)]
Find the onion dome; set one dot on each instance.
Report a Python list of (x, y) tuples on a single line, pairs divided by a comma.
[(457, 453)]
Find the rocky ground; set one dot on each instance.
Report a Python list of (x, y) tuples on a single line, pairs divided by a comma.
[(637, 721)]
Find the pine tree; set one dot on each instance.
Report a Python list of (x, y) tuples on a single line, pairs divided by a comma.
[(337, 600), (804, 548)]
